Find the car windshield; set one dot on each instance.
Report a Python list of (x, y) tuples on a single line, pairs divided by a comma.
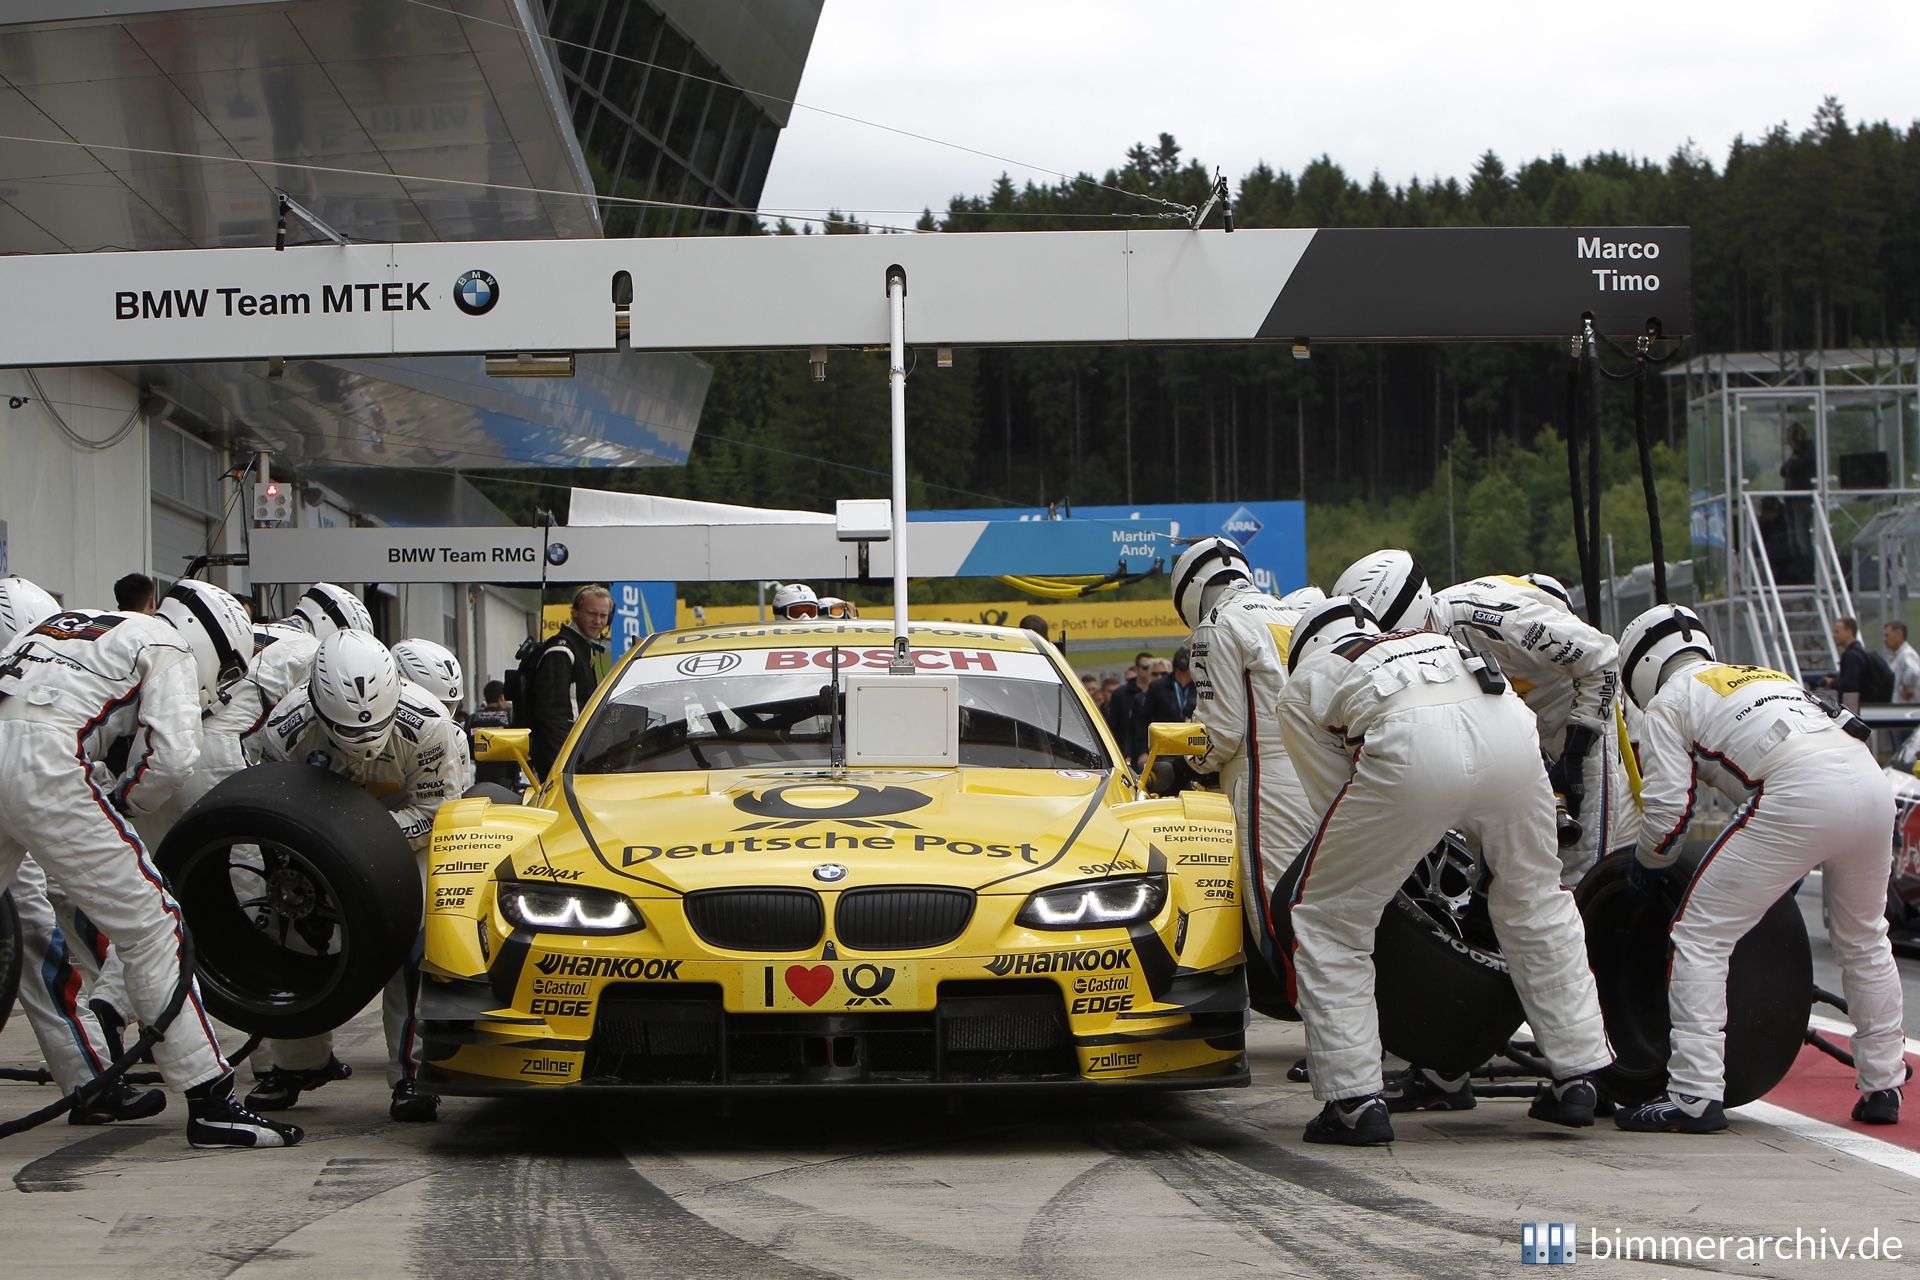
[(753, 708)]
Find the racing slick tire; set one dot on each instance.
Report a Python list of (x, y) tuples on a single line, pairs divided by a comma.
[(302, 896), (1769, 987), (1444, 996), (12, 956)]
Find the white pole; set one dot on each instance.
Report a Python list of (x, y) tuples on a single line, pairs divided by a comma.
[(897, 388)]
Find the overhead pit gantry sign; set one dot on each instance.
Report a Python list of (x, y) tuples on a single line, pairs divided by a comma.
[(536, 304), (756, 292)]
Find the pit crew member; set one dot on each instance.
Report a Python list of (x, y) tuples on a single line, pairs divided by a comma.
[(1239, 666), (356, 717), (1809, 795), (69, 687), (1399, 738)]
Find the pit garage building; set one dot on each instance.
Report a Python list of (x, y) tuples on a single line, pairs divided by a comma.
[(159, 126)]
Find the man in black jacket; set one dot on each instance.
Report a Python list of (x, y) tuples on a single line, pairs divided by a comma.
[(1171, 698), (569, 669)]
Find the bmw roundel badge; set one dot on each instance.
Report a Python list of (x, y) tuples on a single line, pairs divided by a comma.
[(830, 872), (557, 554), (476, 292)]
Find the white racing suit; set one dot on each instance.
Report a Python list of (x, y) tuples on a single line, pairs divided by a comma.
[(69, 688), (1809, 796), (424, 764), (1397, 742), (1239, 669), (230, 737), (230, 740), (1568, 674), (58, 976)]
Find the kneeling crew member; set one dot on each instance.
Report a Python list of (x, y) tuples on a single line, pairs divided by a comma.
[(356, 717), (68, 688), (1810, 795), (1398, 739)]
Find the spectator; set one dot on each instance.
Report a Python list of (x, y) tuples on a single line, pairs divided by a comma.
[(1035, 623), (568, 671), (1126, 712), (1797, 472), (1905, 662), (1171, 697), (1850, 680), (134, 594), (494, 713), (1092, 685), (1108, 684)]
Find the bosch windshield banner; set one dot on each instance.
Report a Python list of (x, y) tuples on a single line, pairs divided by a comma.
[(757, 292)]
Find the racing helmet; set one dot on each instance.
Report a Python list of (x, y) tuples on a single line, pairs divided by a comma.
[(835, 607), (1654, 639), (355, 690), (1551, 585), (1328, 623), (1393, 587), (1302, 598), (324, 608), (23, 606), (796, 601), (1203, 564), (216, 628), (433, 667)]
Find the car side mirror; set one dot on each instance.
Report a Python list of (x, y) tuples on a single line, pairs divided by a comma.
[(1184, 739), (497, 746)]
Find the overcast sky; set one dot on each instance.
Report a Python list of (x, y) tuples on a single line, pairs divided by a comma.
[(1408, 89)]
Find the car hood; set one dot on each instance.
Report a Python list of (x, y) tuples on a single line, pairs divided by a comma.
[(1009, 830)]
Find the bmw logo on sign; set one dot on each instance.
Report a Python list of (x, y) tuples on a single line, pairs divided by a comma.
[(557, 554), (476, 292), (1242, 526)]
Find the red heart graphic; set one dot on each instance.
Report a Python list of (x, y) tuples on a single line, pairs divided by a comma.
[(809, 984)]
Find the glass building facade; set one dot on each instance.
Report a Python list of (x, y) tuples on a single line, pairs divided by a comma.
[(656, 91)]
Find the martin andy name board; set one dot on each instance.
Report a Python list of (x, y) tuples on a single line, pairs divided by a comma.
[(757, 292), (1273, 534)]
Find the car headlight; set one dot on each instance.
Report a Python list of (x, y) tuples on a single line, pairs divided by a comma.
[(1095, 904), (555, 910)]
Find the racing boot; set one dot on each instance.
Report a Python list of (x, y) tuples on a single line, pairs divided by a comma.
[(1674, 1113), (1570, 1102), (215, 1118), (280, 1087), (1421, 1089), (1352, 1122), (122, 1102), (411, 1102), (1882, 1106)]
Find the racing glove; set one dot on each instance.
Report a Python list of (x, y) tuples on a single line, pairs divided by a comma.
[(1655, 885), (1569, 773)]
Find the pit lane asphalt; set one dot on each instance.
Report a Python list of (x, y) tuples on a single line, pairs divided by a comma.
[(1173, 1185)]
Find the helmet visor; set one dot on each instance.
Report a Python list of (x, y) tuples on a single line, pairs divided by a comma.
[(803, 610)]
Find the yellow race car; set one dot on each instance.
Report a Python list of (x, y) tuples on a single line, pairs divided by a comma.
[(761, 860)]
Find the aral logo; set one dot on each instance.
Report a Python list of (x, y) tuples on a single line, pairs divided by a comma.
[(476, 292), (1242, 526)]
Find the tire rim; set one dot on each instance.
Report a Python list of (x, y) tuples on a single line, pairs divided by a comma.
[(269, 933)]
